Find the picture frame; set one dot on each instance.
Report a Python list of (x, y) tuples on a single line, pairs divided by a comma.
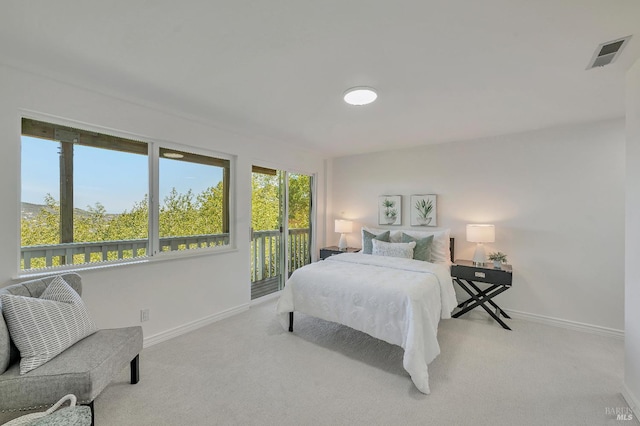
[(390, 210), (424, 210)]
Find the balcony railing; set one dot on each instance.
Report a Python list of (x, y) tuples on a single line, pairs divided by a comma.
[(266, 269), (102, 251), (265, 253)]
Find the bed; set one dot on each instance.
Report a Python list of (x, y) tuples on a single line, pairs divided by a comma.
[(397, 300)]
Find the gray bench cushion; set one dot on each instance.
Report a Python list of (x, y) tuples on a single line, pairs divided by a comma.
[(84, 370)]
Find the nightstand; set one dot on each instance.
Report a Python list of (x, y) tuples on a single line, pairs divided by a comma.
[(331, 250), (466, 274)]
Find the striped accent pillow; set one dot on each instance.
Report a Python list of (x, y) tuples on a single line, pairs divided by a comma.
[(41, 328)]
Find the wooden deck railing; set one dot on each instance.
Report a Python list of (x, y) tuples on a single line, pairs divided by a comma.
[(299, 250), (102, 251), (265, 250), (265, 255)]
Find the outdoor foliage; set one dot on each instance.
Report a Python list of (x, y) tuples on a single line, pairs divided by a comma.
[(181, 214), (266, 206), (299, 201), (266, 201)]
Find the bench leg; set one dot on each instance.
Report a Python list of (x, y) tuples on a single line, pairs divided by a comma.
[(135, 370), (92, 412), (135, 378)]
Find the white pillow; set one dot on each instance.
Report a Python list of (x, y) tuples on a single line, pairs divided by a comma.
[(404, 250), (440, 249), (43, 327)]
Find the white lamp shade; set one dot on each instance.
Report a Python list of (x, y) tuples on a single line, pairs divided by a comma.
[(481, 233), (344, 226)]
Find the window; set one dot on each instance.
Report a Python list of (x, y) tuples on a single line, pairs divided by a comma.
[(193, 191), (85, 198)]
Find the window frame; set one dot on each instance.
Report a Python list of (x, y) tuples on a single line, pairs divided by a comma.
[(154, 145)]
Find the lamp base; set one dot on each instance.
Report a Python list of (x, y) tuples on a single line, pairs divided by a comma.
[(479, 257), (342, 245)]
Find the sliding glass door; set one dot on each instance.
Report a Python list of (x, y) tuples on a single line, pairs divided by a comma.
[(299, 221), (281, 227)]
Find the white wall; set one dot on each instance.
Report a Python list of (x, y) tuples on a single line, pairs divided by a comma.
[(177, 292), (556, 197), (632, 243)]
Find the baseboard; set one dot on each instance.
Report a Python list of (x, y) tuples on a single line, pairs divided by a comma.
[(185, 328), (571, 325), (266, 298), (633, 402)]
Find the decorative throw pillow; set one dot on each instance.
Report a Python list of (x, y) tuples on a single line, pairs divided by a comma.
[(367, 237), (43, 327), (440, 249), (423, 246), (382, 248)]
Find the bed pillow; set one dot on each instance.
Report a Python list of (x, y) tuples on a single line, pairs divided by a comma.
[(382, 248), (367, 237), (422, 251), (440, 248), (41, 328)]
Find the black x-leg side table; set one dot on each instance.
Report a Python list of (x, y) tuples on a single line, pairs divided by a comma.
[(466, 274)]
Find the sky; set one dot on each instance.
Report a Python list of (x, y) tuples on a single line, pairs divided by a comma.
[(115, 179)]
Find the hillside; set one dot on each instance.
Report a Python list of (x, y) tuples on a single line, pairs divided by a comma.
[(29, 211)]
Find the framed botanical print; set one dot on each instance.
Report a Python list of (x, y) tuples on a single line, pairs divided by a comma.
[(390, 210), (423, 210)]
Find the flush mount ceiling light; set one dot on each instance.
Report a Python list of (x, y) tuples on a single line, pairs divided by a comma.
[(173, 155), (360, 96)]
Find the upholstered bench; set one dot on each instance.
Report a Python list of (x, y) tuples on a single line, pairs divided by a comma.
[(84, 369)]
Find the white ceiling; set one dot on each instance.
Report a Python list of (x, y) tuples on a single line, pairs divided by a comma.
[(445, 70)]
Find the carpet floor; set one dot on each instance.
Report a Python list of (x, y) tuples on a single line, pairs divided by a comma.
[(247, 370)]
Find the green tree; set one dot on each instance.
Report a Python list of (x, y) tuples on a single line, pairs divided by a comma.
[(44, 228), (178, 214), (181, 214), (265, 202), (93, 226), (299, 200), (131, 225), (210, 206)]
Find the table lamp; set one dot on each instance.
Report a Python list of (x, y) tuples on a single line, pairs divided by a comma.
[(343, 227), (480, 233)]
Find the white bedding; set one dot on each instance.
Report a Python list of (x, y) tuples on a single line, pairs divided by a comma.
[(396, 300)]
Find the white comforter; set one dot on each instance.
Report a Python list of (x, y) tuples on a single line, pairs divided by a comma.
[(396, 300)]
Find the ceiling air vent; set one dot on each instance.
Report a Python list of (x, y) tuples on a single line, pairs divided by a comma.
[(607, 52)]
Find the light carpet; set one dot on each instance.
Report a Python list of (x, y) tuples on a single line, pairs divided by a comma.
[(247, 370)]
